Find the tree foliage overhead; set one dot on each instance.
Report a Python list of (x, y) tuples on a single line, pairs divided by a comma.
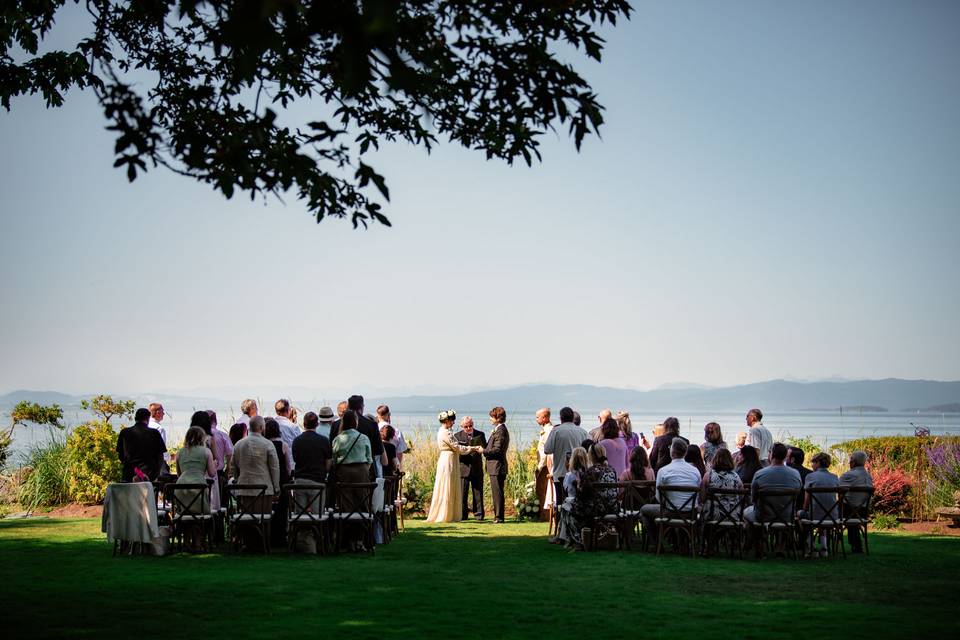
[(105, 407), (201, 87)]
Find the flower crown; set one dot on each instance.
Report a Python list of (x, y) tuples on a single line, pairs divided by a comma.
[(447, 415)]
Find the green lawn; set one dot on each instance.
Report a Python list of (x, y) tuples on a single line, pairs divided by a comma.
[(468, 580)]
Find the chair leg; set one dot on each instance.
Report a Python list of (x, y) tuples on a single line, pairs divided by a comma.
[(660, 534)]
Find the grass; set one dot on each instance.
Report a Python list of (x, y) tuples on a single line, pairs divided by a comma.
[(468, 580)]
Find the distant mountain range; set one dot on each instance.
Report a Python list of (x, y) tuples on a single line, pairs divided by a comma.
[(774, 395)]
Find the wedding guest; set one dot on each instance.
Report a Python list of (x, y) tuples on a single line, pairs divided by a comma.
[(721, 476), (631, 439), (758, 436), (255, 461), (560, 443), (795, 458), (546, 492), (367, 427), (749, 464), (740, 442), (568, 531), (676, 473), (592, 501), (288, 430), (326, 418), (614, 445), (292, 415), (194, 465), (694, 457), (596, 434), (776, 475), (352, 457), (387, 435), (712, 440), (819, 478), (496, 454), (576, 418), (248, 411), (639, 467), (471, 468), (312, 452), (856, 503), (660, 455), (156, 417), (237, 433), (140, 447), (222, 451), (341, 408), (273, 433), (384, 418), (202, 419)]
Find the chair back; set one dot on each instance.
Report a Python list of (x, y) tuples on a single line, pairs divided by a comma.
[(776, 507), (637, 493), (824, 508), (678, 502), (856, 503), (248, 505), (726, 505), (355, 499), (613, 490), (391, 485), (189, 501), (308, 500)]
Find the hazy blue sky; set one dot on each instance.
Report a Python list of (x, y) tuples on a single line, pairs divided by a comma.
[(777, 192)]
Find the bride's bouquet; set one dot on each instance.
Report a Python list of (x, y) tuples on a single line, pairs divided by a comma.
[(447, 415)]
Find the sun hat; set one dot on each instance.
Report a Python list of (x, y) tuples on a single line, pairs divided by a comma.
[(325, 414)]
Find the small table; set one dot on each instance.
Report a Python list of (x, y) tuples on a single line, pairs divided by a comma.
[(130, 514)]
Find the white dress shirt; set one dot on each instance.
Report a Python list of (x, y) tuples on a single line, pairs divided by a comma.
[(760, 438), (153, 424), (288, 433), (678, 473)]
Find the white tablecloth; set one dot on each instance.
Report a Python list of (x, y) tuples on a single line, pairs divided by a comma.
[(130, 512)]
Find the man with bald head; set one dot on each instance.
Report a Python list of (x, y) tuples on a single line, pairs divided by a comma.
[(544, 473), (597, 434), (471, 467)]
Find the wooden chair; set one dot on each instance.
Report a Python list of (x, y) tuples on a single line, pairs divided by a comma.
[(635, 494), (825, 501), (855, 512), (774, 515), (190, 508), (611, 519), (354, 507), (723, 520), (249, 509), (678, 512), (400, 501), (307, 509), (388, 517)]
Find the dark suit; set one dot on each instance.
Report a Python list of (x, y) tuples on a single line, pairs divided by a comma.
[(471, 473), (496, 454), (369, 428), (660, 452)]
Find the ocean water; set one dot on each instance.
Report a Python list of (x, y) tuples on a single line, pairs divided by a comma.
[(825, 427)]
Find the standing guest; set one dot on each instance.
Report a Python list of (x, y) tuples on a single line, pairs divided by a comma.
[(471, 468), (341, 408), (367, 427), (546, 493), (721, 475), (560, 443), (292, 416), (569, 531), (657, 432), (352, 457), (795, 458), (255, 461), (312, 452), (676, 473), (248, 411), (140, 448), (856, 503), (288, 430), (631, 439), (819, 478), (399, 442), (777, 475), (596, 434), (758, 436), (325, 418), (194, 465), (740, 443), (387, 435), (496, 454), (156, 417), (639, 467), (576, 418), (237, 433), (660, 455), (749, 464), (614, 445), (222, 451), (694, 457), (712, 440), (272, 432)]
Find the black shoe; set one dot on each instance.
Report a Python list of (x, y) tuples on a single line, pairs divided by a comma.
[(495, 521), (478, 517)]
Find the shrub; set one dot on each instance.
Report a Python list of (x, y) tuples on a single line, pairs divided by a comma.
[(943, 474), (47, 480), (891, 490), (901, 452), (884, 521), (93, 461), (808, 445)]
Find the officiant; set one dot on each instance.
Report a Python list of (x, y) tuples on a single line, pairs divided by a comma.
[(471, 467)]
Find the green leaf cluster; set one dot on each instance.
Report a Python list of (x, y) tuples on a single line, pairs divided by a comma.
[(93, 461)]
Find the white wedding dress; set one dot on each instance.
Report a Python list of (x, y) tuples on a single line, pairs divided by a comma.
[(447, 503)]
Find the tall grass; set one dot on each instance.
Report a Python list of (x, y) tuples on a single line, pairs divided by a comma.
[(47, 482)]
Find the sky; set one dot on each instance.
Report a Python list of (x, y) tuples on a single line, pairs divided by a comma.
[(776, 192)]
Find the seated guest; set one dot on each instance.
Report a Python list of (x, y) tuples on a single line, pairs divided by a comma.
[(273, 433), (237, 433), (592, 501), (570, 532), (857, 476), (388, 435), (352, 457), (194, 465), (721, 476), (312, 452), (795, 457), (614, 445), (660, 454), (631, 439), (203, 420), (775, 476), (819, 478), (694, 457), (639, 467), (749, 464), (255, 461), (140, 449), (712, 440), (678, 473)]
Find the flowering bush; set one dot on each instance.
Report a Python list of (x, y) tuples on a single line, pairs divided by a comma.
[(891, 490), (526, 503), (93, 461), (943, 461)]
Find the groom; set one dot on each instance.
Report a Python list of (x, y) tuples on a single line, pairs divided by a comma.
[(471, 467), (496, 454)]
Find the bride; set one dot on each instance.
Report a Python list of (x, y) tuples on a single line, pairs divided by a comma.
[(446, 504)]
